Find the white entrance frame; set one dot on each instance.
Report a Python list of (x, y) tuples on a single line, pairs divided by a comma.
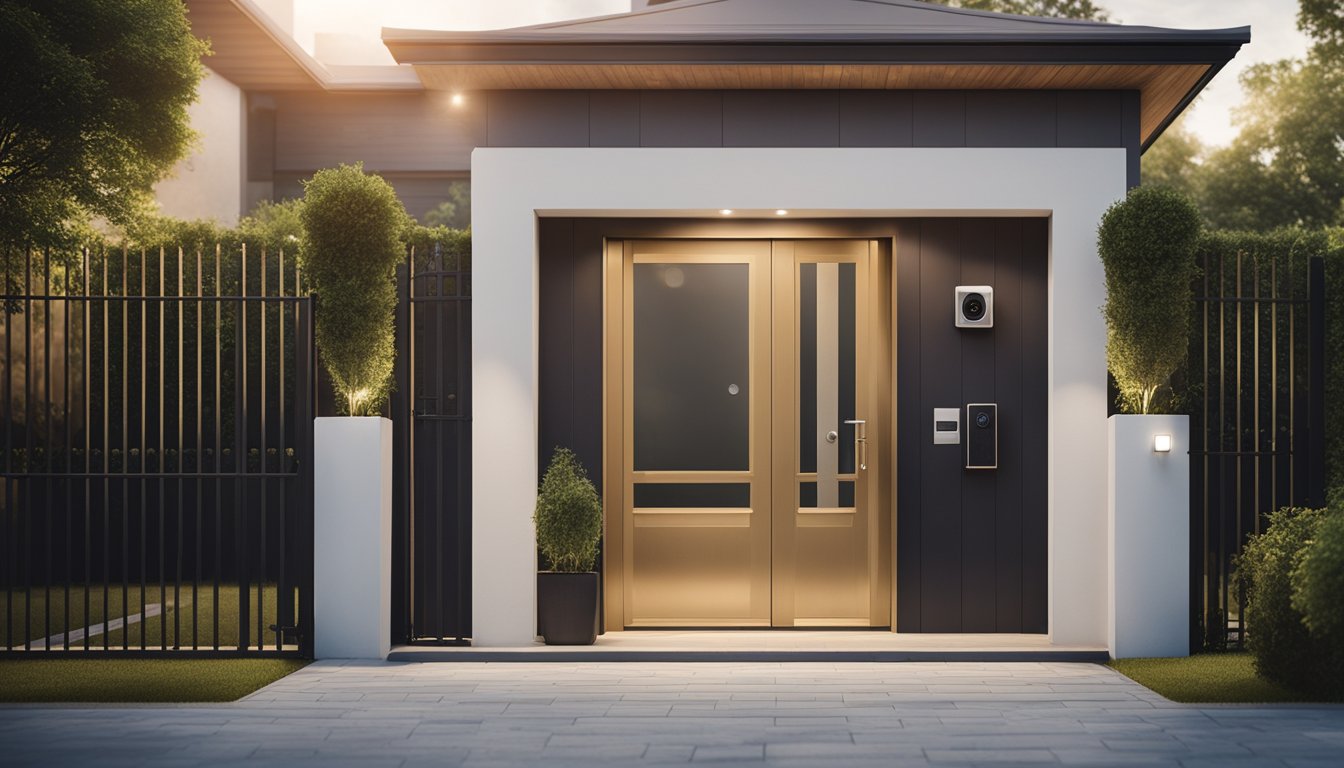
[(512, 187)]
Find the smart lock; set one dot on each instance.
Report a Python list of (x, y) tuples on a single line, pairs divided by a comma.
[(982, 436)]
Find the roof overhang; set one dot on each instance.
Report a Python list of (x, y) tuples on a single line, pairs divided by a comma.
[(745, 44), (251, 51)]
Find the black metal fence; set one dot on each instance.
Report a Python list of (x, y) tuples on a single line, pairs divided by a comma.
[(432, 415), (1257, 383), (157, 427)]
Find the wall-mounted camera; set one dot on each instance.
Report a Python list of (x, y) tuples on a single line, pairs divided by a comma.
[(975, 306), (982, 436)]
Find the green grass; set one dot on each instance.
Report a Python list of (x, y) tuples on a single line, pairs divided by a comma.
[(1207, 678), (181, 610), (137, 680)]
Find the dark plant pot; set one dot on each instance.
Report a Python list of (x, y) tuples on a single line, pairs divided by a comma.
[(567, 608)]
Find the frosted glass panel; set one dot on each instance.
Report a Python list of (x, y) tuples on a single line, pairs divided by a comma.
[(691, 364)]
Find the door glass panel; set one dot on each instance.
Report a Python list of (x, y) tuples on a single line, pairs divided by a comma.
[(691, 363), (692, 495), (826, 375), (807, 495)]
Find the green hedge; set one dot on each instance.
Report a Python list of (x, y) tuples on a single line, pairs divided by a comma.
[(1270, 574)]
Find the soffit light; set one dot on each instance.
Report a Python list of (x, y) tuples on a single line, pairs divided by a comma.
[(781, 212), (457, 100), (726, 211)]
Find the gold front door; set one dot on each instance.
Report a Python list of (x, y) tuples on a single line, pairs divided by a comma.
[(743, 443)]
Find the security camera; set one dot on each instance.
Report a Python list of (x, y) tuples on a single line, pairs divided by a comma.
[(975, 306)]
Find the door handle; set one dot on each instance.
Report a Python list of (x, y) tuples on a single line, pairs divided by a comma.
[(860, 441)]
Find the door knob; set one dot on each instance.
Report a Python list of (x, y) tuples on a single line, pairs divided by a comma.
[(860, 441)]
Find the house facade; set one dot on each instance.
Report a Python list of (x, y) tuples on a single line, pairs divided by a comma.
[(811, 288)]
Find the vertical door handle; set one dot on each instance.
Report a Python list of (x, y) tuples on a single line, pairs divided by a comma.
[(860, 441)]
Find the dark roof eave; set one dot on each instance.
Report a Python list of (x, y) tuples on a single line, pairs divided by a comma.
[(1053, 52)]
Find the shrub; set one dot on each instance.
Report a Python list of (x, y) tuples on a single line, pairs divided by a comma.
[(1284, 649), (353, 223), (568, 515), (1318, 579), (1147, 246)]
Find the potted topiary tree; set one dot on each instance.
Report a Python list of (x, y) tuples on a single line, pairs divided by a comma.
[(568, 519), (1147, 246), (352, 227)]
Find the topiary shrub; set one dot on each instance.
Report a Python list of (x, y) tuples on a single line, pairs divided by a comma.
[(1147, 246), (1285, 650), (568, 515), (353, 223)]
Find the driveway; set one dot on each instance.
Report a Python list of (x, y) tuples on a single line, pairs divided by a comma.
[(586, 714)]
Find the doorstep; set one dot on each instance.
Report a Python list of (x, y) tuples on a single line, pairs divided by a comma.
[(767, 645)]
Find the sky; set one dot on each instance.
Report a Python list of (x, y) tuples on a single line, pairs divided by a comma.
[(346, 31)]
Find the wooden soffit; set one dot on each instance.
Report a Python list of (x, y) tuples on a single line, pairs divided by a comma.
[(248, 50)]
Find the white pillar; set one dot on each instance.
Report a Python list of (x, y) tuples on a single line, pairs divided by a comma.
[(352, 537), (1148, 515)]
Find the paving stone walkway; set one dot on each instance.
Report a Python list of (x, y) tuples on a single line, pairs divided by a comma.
[(606, 714)]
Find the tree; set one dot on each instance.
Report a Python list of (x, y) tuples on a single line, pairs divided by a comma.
[(1060, 9), (353, 225), (455, 212), (1286, 166), (1147, 246), (93, 100)]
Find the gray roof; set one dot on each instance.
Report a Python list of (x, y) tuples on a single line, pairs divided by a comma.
[(811, 21)]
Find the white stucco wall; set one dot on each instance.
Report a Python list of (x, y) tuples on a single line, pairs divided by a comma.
[(511, 187), (208, 183)]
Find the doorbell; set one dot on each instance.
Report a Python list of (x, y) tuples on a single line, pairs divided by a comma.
[(975, 306), (982, 436)]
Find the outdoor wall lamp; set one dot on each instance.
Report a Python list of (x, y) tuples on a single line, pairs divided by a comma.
[(1162, 443), (456, 99)]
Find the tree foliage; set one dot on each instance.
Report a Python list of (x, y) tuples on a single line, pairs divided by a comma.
[(568, 515), (1285, 167), (1060, 9), (93, 110), (455, 212), (1147, 246), (353, 224)]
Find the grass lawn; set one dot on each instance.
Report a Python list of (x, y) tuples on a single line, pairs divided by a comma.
[(188, 616), (136, 680), (1207, 678)]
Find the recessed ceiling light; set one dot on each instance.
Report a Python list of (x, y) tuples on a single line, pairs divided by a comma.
[(456, 100), (781, 212), (726, 211)]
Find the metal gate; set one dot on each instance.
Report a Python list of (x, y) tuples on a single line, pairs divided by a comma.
[(1257, 417), (157, 426), (432, 411)]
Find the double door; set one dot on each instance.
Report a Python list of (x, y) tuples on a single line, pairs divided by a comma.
[(747, 386)]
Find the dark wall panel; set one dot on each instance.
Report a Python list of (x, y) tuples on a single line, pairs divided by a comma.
[(876, 119), (939, 119), (613, 119), (681, 119), (1090, 119), (1010, 119), (971, 544), (537, 119), (781, 119)]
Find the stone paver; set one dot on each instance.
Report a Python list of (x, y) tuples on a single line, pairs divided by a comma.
[(599, 714)]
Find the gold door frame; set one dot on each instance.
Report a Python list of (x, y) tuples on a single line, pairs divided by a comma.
[(773, 472)]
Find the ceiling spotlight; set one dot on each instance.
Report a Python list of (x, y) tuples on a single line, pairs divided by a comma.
[(781, 212), (726, 211), (456, 100)]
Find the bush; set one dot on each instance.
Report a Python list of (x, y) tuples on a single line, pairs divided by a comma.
[(568, 515), (1147, 243), (1285, 650), (1318, 580), (353, 224)]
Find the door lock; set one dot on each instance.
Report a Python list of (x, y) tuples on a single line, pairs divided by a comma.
[(860, 441)]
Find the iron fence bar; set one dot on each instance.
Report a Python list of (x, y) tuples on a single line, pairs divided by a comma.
[(200, 452), (88, 442), (282, 591), (65, 413), (261, 455), (46, 429), (26, 514), (131, 299), (181, 460), (1316, 382), (9, 569), (240, 456), (219, 450)]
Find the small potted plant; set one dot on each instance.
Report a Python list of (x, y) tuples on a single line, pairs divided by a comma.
[(568, 519)]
